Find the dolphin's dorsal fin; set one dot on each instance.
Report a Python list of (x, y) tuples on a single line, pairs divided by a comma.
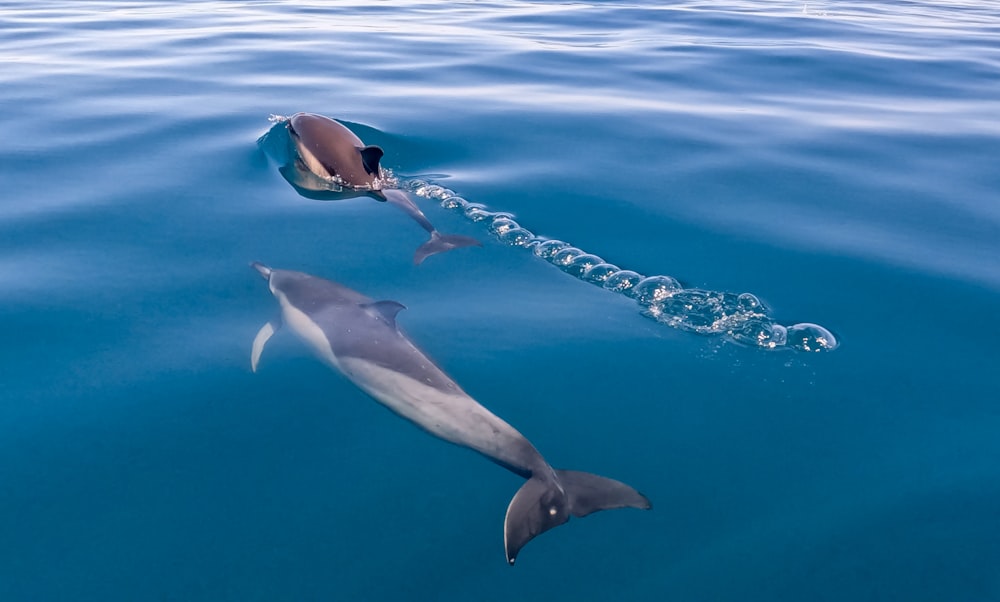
[(386, 309), (370, 156)]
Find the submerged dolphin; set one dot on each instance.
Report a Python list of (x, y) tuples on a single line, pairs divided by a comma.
[(358, 336), (327, 150)]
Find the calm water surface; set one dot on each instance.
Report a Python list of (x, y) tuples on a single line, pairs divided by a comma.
[(837, 161)]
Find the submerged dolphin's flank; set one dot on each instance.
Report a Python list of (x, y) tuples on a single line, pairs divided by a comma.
[(331, 152), (358, 336)]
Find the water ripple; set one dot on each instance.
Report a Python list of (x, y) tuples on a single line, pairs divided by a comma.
[(742, 317)]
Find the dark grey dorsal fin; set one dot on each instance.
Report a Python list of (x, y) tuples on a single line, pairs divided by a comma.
[(386, 309), (370, 156)]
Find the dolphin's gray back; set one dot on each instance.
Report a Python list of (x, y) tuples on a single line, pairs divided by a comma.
[(307, 292), (332, 146), (356, 326)]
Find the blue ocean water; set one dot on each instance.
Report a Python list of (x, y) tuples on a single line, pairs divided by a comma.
[(836, 161)]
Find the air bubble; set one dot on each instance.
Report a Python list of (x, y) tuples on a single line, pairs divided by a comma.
[(499, 220), (654, 289), (388, 179), (760, 332), (565, 256), (695, 310), (599, 273), (433, 191), (582, 263), (811, 337), (749, 303), (622, 281), (517, 237), (655, 311), (501, 225), (476, 212), (778, 336), (547, 249), (455, 203), (426, 190)]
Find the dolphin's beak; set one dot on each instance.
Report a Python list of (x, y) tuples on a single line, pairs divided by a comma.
[(265, 271)]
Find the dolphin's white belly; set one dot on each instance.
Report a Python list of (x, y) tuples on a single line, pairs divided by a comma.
[(453, 417), (308, 331)]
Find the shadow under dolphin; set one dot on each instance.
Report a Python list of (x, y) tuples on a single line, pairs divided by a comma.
[(323, 160)]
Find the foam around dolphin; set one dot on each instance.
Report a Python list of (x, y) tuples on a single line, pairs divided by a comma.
[(331, 158), (358, 336)]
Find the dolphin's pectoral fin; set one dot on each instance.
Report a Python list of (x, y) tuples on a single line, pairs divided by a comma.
[(439, 243), (259, 341), (386, 310), (370, 156), (542, 504)]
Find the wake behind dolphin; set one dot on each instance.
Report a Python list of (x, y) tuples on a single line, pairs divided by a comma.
[(358, 337), (322, 159), (742, 318)]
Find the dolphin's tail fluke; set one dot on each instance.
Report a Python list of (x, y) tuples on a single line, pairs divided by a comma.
[(543, 503), (439, 243)]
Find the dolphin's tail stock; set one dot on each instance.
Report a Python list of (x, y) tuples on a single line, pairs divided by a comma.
[(439, 243), (547, 501)]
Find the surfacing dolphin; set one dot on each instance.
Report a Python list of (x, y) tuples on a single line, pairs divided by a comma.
[(332, 158), (358, 336)]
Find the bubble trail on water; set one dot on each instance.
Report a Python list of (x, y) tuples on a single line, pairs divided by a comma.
[(739, 317)]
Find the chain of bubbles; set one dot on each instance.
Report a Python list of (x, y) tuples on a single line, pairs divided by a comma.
[(740, 317)]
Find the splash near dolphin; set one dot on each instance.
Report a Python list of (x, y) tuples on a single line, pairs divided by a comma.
[(324, 160), (358, 336), (742, 318)]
